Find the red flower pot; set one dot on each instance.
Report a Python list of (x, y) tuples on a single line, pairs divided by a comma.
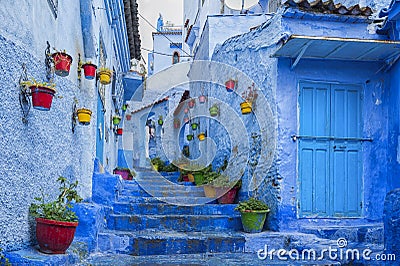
[(202, 99), (62, 63), (89, 70), (228, 197), (230, 85), (191, 103), (119, 131), (42, 97), (128, 117), (125, 174), (54, 237)]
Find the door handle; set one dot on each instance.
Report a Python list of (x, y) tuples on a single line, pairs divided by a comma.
[(339, 148)]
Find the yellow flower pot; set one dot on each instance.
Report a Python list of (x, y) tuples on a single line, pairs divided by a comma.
[(246, 107), (105, 77), (191, 177), (201, 136), (210, 191), (84, 116)]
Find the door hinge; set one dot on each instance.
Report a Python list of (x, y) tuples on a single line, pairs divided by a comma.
[(361, 205), (298, 205)]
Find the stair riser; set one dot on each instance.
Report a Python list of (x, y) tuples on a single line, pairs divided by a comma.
[(182, 224), (164, 209), (143, 246), (162, 193), (170, 200), (133, 187)]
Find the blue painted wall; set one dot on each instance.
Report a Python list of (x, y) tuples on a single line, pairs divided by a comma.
[(251, 53), (36, 153)]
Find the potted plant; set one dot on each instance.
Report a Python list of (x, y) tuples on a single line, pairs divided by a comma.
[(105, 75), (157, 164), (42, 94), (249, 96), (230, 85), (116, 120), (209, 189), (89, 70), (194, 125), (62, 63), (189, 137), (119, 131), (125, 173), (56, 222), (191, 103), (128, 117), (201, 136), (177, 123), (84, 116), (202, 98), (253, 214), (226, 189), (214, 110), (125, 107), (160, 120)]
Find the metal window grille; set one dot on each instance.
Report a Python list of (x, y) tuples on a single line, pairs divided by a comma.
[(54, 6)]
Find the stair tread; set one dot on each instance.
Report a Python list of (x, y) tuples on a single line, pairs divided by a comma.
[(178, 215), (162, 234), (209, 259)]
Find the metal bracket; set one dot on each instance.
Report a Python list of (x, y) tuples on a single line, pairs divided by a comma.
[(73, 118), (49, 64), (301, 53), (24, 100)]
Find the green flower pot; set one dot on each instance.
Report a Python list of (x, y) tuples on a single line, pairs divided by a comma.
[(194, 126), (189, 137), (198, 178), (253, 221), (116, 120), (214, 110)]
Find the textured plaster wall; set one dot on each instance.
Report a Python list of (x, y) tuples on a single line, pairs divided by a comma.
[(251, 53), (36, 153)]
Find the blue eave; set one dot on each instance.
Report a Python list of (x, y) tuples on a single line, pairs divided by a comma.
[(392, 14), (131, 81)]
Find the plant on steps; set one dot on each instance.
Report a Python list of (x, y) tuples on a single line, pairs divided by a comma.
[(56, 222), (253, 214)]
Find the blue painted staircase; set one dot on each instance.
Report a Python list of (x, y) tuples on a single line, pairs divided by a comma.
[(145, 220), (153, 221)]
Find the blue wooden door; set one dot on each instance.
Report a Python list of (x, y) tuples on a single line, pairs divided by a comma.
[(330, 151)]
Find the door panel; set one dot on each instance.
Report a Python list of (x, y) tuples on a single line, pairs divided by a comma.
[(330, 152)]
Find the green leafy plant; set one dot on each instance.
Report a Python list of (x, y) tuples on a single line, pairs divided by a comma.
[(252, 204), (3, 260), (34, 83), (61, 208), (157, 163)]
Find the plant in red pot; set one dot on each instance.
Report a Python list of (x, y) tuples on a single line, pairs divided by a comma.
[(62, 63), (89, 70), (125, 173), (56, 222), (42, 94)]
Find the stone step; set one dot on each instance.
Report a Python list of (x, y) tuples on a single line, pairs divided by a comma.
[(209, 259), (166, 209), (371, 233), (162, 193), (133, 186), (155, 242), (180, 223), (178, 200)]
